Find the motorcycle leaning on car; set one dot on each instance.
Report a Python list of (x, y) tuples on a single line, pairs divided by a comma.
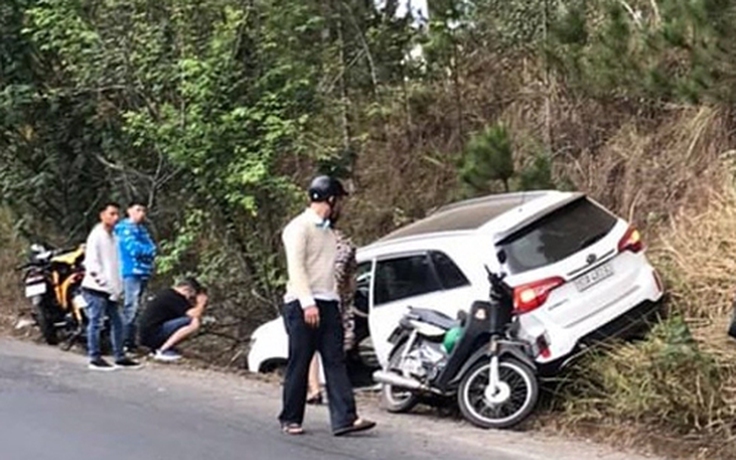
[(478, 358)]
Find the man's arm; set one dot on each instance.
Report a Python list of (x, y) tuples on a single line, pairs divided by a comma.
[(199, 307), (150, 246), (135, 240), (295, 244), (92, 260)]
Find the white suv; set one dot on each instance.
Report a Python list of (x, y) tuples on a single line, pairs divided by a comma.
[(577, 269)]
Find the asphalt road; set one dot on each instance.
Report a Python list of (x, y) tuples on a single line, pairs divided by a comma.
[(52, 407)]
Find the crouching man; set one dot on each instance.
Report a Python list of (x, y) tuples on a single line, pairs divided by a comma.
[(172, 316)]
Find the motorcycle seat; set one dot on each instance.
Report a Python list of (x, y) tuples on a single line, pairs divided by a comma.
[(433, 317)]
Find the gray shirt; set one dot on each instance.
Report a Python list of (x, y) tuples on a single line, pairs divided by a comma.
[(101, 263)]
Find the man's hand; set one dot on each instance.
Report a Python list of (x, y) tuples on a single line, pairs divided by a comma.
[(311, 316), (201, 299)]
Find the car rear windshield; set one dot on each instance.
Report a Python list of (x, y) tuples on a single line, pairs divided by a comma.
[(557, 235)]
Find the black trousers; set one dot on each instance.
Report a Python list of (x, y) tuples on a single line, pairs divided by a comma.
[(303, 342)]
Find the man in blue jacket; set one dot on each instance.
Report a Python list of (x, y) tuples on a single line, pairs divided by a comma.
[(137, 253)]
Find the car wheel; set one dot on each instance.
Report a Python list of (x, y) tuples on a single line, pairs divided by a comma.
[(275, 367)]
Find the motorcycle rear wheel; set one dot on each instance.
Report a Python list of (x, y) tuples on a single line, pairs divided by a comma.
[(523, 387)]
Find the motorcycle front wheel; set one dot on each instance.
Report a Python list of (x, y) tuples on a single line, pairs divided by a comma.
[(397, 400), (513, 402)]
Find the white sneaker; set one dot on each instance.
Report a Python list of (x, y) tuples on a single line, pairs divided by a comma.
[(166, 355)]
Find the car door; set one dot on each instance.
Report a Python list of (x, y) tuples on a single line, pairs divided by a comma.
[(427, 279)]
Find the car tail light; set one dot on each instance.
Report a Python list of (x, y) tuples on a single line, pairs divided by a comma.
[(531, 296), (631, 241)]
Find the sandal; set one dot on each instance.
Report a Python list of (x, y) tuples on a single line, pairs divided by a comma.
[(359, 425), (292, 428), (316, 399)]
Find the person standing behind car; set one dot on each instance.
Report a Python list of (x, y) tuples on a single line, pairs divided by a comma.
[(137, 253), (346, 269), (102, 288)]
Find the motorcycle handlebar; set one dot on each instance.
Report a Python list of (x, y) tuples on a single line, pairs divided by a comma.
[(498, 284), (56, 252), (51, 254)]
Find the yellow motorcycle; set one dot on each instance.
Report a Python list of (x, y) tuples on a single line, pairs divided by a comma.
[(52, 281)]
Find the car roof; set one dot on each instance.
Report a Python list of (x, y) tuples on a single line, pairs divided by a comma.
[(468, 215), (487, 214), (464, 215)]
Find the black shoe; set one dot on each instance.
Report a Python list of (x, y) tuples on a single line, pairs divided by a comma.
[(127, 363), (99, 364), (133, 350), (358, 425)]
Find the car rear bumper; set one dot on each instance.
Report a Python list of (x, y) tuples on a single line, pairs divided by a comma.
[(630, 325), (616, 320), (627, 326)]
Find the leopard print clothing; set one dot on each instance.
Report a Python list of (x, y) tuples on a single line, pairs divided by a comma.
[(346, 267)]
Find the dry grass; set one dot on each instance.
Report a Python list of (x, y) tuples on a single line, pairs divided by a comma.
[(652, 173), (681, 381), (698, 252), (668, 382)]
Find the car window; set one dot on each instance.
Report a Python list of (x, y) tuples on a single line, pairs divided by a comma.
[(557, 235), (449, 274), (404, 277)]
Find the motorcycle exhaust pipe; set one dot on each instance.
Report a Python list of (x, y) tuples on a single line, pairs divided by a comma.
[(396, 380)]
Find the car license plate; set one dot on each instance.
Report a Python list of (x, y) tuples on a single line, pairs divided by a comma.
[(33, 290), (594, 277)]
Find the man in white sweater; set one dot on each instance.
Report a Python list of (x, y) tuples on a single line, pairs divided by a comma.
[(312, 315), (102, 289)]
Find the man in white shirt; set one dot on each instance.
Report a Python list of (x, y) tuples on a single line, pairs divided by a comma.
[(312, 314), (102, 289)]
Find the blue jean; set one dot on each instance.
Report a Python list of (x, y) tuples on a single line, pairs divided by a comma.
[(98, 305), (133, 287), (166, 330)]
